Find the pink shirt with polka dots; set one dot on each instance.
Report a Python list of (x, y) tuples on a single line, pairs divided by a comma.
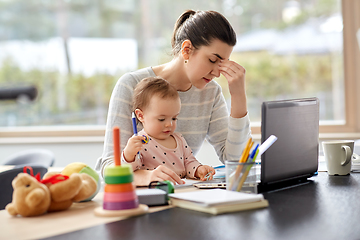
[(180, 159)]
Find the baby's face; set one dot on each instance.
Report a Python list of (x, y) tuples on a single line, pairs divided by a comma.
[(160, 116)]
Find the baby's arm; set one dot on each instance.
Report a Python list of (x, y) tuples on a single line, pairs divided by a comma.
[(193, 166), (161, 173), (132, 147)]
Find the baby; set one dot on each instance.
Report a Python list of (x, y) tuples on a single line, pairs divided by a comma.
[(156, 104)]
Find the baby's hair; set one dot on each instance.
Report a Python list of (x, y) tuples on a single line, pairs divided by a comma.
[(148, 87), (201, 28)]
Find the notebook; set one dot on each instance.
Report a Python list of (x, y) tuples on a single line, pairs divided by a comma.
[(294, 156)]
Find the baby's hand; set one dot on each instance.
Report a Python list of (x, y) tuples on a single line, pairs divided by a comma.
[(162, 173), (132, 147), (205, 172)]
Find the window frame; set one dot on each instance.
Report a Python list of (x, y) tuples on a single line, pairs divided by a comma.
[(349, 130)]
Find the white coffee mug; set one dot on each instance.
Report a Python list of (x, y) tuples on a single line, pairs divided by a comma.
[(338, 156)]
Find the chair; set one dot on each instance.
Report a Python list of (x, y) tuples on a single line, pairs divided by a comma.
[(33, 156), (6, 178)]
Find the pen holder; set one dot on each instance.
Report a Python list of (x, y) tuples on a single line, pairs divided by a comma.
[(241, 177)]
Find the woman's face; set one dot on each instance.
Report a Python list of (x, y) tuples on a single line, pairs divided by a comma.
[(203, 63)]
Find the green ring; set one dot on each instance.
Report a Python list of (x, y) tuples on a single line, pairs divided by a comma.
[(118, 179), (122, 170)]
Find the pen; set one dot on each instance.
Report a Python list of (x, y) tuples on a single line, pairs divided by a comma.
[(135, 129), (220, 166), (252, 156), (134, 123)]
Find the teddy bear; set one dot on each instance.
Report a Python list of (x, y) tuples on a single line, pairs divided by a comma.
[(30, 197), (56, 192)]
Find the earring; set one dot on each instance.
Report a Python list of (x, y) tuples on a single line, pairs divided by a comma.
[(186, 61)]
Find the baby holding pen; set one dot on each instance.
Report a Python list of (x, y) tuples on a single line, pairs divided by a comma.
[(156, 105)]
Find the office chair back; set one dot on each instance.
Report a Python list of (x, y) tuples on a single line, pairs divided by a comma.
[(33, 156), (6, 178)]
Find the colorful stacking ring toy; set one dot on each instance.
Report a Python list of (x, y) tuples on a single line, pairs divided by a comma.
[(118, 176), (120, 197)]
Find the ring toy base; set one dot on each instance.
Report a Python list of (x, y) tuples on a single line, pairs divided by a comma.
[(142, 209)]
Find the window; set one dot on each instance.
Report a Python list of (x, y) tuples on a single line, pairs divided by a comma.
[(74, 51)]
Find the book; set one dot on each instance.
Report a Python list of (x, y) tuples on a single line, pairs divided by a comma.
[(218, 201), (152, 197)]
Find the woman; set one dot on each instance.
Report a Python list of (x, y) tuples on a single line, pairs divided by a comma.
[(202, 42)]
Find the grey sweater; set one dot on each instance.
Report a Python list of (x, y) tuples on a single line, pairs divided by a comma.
[(203, 115)]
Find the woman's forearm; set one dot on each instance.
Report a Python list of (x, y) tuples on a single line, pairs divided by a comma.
[(238, 106)]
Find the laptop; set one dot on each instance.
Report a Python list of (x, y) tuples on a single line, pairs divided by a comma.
[(293, 158)]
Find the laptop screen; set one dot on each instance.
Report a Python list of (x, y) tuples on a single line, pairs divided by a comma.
[(295, 153)]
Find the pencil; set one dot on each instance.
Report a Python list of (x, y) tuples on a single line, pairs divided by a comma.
[(244, 176), (116, 137), (239, 168), (246, 156), (243, 169), (245, 150)]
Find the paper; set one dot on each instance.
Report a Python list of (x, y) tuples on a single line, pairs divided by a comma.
[(217, 197), (188, 183)]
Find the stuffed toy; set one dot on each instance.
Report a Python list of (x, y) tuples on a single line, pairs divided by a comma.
[(56, 192), (30, 197), (78, 167)]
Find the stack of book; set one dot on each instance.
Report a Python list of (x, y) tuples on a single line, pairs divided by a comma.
[(217, 201)]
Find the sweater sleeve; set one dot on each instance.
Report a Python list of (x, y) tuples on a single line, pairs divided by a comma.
[(226, 134), (119, 114)]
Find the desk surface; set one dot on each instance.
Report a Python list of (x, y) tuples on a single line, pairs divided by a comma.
[(326, 208), (79, 216)]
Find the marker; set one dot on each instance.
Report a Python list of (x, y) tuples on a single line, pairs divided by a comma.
[(135, 129), (267, 144)]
